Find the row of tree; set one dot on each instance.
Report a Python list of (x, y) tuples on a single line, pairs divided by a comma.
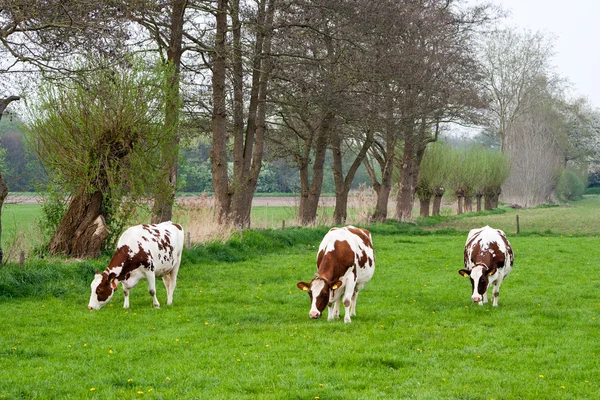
[(472, 172), (124, 84)]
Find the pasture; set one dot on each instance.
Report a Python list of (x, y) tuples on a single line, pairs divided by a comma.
[(239, 328)]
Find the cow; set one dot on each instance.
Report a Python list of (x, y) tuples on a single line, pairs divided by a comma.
[(488, 260), (143, 252), (345, 263)]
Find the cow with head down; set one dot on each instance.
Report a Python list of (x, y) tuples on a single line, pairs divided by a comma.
[(488, 259), (143, 252), (345, 264)]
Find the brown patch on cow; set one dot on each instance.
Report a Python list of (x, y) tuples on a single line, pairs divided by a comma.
[(178, 227), (363, 259), (334, 264), (363, 234)]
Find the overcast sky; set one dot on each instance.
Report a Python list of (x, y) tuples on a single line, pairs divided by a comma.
[(576, 26)]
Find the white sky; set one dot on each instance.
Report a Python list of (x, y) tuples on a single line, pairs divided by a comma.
[(576, 27)]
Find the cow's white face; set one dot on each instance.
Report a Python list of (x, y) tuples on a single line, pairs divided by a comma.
[(103, 288), (319, 292), (479, 276)]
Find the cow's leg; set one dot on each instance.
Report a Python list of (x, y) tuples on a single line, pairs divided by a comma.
[(353, 308), (152, 289), (348, 294), (173, 283), (167, 281), (496, 292), (125, 296)]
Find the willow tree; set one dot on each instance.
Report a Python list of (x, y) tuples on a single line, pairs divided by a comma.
[(497, 172), (433, 177), (97, 136)]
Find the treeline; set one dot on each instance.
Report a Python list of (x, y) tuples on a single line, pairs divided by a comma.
[(123, 93), (23, 172)]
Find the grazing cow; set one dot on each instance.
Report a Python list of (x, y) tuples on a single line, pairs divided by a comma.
[(345, 263), (143, 252), (488, 260)]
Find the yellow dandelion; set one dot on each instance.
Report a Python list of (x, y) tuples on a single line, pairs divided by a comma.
[(85, 345), (110, 351), (562, 387), (92, 389), (177, 340), (541, 376), (150, 390), (168, 378), (268, 345), (320, 385), (129, 380), (140, 392)]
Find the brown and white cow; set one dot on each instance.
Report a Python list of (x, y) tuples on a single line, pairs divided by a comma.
[(143, 252), (488, 260), (345, 263)]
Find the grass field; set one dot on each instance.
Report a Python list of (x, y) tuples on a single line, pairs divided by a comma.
[(240, 330), (239, 327)]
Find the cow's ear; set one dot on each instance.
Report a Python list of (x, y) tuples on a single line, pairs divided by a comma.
[(336, 285), (464, 273), (492, 271), (112, 279), (303, 286)]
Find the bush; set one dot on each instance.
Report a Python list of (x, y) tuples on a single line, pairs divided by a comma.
[(570, 187), (593, 190)]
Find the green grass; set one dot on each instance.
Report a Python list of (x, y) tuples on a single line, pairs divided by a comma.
[(240, 329), (579, 218), (18, 218)]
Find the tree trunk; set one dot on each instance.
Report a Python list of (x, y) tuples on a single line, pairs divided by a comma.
[(82, 231), (460, 193), (311, 191), (165, 197), (488, 203), (478, 196), (438, 193), (386, 160), (496, 197), (424, 202), (3, 194), (343, 184), (406, 190), (468, 200), (219, 117)]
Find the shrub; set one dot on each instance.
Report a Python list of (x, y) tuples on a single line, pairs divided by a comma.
[(570, 187)]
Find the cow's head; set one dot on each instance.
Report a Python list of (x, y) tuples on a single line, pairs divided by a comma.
[(103, 287), (479, 280), (319, 292)]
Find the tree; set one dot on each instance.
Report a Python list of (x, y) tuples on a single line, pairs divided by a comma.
[(514, 65), (433, 177), (234, 199), (98, 136), (437, 83)]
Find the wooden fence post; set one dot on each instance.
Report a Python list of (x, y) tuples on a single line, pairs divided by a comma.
[(21, 259), (188, 242), (518, 227), (283, 224)]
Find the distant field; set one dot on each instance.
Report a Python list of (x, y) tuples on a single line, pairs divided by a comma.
[(580, 217)]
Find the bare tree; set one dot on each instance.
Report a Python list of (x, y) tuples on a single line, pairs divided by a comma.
[(512, 64), (234, 197)]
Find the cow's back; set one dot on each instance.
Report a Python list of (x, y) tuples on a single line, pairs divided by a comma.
[(488, 246), (345, 248), (162, 244)]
